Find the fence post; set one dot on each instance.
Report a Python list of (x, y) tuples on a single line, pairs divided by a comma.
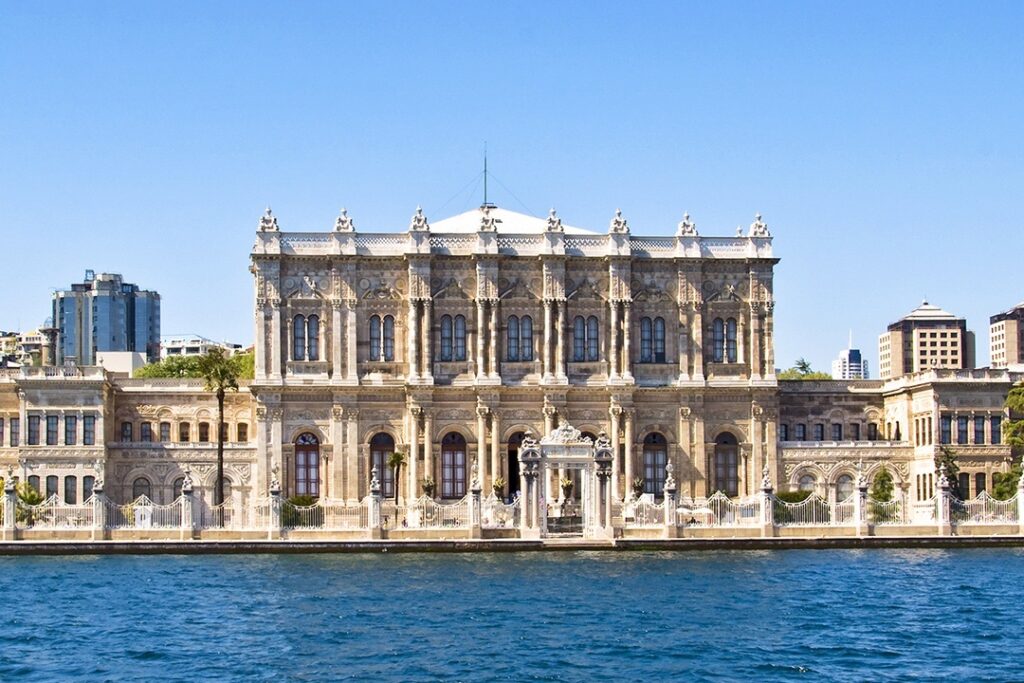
[(671, 530), (942, 516), (10, 506), (767, 506), (274, 530), (373, 515), (187, 509), (1020, 500), (99, 510), (860, 508), (474, 507)]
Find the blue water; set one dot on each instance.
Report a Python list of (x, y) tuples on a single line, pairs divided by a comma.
[(758, 616)]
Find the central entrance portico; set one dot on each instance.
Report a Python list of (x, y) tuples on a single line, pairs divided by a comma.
[(565, 448)]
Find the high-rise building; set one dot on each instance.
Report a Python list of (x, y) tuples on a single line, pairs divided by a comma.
[(850, 364), (104, 313), (927, 337), (1006, 338)]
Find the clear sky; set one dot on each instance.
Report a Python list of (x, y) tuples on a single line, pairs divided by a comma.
[(882, 141)]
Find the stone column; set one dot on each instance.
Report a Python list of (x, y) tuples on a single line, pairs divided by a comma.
[(769, 342), (428, 446), (274, 531), (289, 339), (755, 343), (684, 344), (697, 330), (685, 459), (336, 335), (260, 350), (480, 336), (549, 424), (630, 416), (767, 506), (99, 509), (613, 339), (351, 344), (741, 341), (493, 365), (275, 340), (413, 337), (187, 514), (427, 372), (495, 448), (942, 516), (627, 355), (335, 467), (671, 530), (547, 342), (413, 487), (560, 363), (860, 507), (10, 503), (481, 442), (352, 493), (474, 509), (614, 411), (373, 516)]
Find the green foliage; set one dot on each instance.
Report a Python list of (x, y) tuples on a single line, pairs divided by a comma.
[(1013, 427), (27, 495), (1004, 486), (395, 461), (802, 370), (947, 456), (793, 496), (192, 367), (882, 487), (291, 518)]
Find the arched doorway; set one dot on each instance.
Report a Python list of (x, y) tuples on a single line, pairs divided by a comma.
[(726, 465), (655, 459), (453, 465), (514, 481), (381, 448), (307, 465)]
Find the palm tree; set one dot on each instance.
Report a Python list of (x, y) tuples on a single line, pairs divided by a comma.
[(802, 366), (395, 462), (220, 375)]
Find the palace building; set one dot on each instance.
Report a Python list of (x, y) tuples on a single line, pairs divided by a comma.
[(453, 341)]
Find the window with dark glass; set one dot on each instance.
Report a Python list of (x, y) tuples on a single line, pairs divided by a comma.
[(71, 490), (126, 432), (961, 430), (801, 432), (837, 432), (242, 432), (453, 465), (997, 430), (70, 430), (381, 448), (313, 337), (459, 352), (979, 430), (783, 432), (165, 432), (855, 431), (730, 340), (655, 458), (447, 335), (646, 341), (819, 432), (15, 431), (979, 483), (299, 338), (33, 481), (51, 485), (307, 465), (204, 432), (388, 333), (659, 340), (375, 327), (89, 430), (33, 430), (718, 340), (726, 464), (51, 430), (593, 336), (872, 431), (88, 482), (512, 339), (945, 429), (1, 431), (183, 432), (141, 487), (526, 338), (579, 339), (146, 432)]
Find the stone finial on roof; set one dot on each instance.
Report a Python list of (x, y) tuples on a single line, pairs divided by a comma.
[(419, 222), (759, 228), (554, 222), (619, 224), (686, 227), (268, 222), (344, 223), (488, 223)]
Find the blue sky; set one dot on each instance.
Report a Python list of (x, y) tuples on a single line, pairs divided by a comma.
[(882, 141)]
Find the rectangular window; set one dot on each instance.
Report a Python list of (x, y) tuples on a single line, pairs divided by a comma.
[(165, 432), (979, 430), (961, 430), (945, 429), (51, 430), (126, 432), (51, 485), (801, 432), (783, 432), (855, 431), (979, 483), (71, 490), (183, 432), (70, 430), (997, 430), (1, 431), (872, 431), (819, 432), (243, 432), (33, 430), (146, 432), (89, 430), (87, 483), (837, 432)]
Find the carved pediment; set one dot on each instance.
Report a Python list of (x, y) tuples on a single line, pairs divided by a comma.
[(307, 287), (450, 289), (587, 290), (518, 290)]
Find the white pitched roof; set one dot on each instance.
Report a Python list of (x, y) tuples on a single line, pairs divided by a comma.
[(927, 311), (509, 222)]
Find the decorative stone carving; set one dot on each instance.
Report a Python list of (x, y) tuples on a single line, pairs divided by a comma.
[(419, 222), (686, 227), (344, 223), (619, 225), (488, 223), (268, 222), (759, 228), (554, 222), (566, 434), (766, 477)]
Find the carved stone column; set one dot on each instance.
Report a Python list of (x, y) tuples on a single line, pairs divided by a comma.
[(685, 465), (613, 338), (549, 425), (741, 339), (413, 337), (275, 340), (336, 334), (262, 479), (351, 346), (697, 330), (769, 343), (336, 465), (560, 363), (630, 419), (354, 486), (684, 343), (627, 355), (495, 448), (481, 441), (426, 371), (260, 350), (755, 342), (493, 365), (614, 413), (428, 446), (413, 487), (481, 334), (547, 342), (289, 338)]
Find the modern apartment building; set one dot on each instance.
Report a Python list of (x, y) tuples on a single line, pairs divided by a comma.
[(926, 338)]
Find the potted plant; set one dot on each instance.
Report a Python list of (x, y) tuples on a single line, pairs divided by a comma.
[(429, 487), (498, 486), (638, 487)]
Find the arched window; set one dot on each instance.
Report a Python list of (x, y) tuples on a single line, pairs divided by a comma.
[(646, 341), (88, 482), (718, 340), (460, 337), (381, 448), (655, 458), (807, 482), (141, 487), (593, 335), (51, 485), (727, 464), (512, 339), (579, 339), (389, 338), (526, 338), (183, 432), (176, 489), (313, 336), (844, 487), (446, 337), (71, 490), (307, 465), (298, 338), (165, 432), (730, 340), (659, 340), (375, 337), (204, 432), (33, 482), (453, 465)]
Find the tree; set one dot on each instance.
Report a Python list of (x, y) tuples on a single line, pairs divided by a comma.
[(189, 367), (802, 366), (947, 456), (395, 462), (27, 497), (221, 375), (802, 370), (882, 487), (1004, 486)]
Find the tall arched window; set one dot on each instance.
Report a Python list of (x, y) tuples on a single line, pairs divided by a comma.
[(88, 482), (579, 339), (375, 337), (313, 337), (526, 338), (446, 337), (718, 340), (460, 337), (176, 489), (453, 465), (71, 490), (298, 338), (730, 340), (204, 432), (646, 341), (307, 465), (807, 482), (593, 332), (727, 464), (659, 340), (389, 338), (141, 487), (655, 459), (381, 448), (512, 338), (844, 487)]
